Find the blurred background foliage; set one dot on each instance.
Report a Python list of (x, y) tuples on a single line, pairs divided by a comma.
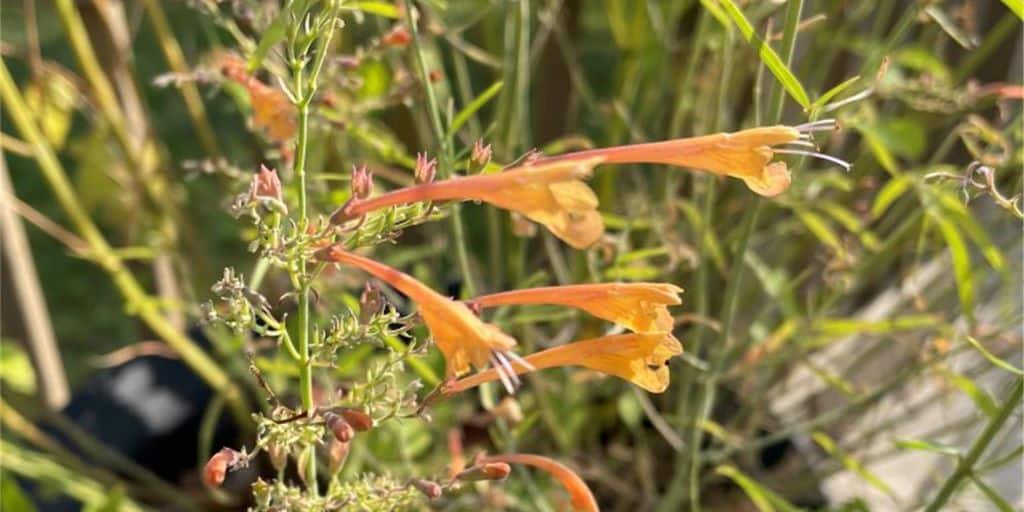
[(861, 324)]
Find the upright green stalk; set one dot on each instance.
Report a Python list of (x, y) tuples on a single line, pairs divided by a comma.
[(305, 89), (965, 466)]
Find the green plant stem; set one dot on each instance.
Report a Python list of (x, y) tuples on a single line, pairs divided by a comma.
[(137, 300), (445, 156), (965, 467)]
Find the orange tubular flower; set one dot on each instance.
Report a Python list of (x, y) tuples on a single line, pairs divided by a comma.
[(551, 194), (580, 497), (463, 338), (640, 307), (746, 154), (640, 358)]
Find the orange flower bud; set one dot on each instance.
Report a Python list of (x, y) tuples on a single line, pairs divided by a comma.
[(359, 420), (339, 427), (398, 37), (218, 466), (485, 471), (432, 490)]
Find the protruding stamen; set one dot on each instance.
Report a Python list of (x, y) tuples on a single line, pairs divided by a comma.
[(814, 154), (803, 143), (822, 125), (520, 361), (505, 381), (512, 375)]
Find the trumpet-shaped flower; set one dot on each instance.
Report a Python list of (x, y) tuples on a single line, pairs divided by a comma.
[(551, 194), (640, 307), (461, 336), (640, 358), (746, 154), (580, 497)]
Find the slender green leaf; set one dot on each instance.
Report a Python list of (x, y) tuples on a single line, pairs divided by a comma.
[(475, 105), (928, 446), (962, 268), (992, 357), (273, 34), (1015, 6), (763, 498), (992, 495), (850, 463), (768, 56), (890, 192), (834, 327), (385, 9), (821, 229), (981, 399), (833, 92)]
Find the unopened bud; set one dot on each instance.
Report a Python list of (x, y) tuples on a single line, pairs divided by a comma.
[(508, 409), (218, 466), (362, 182), (358, 419), (339, 427), (398, 37), (266, 184), (485, 471), (435, 76), (432, 490), (278, 456), (337, 452), (425, 169), (370, 302), (480, 157)]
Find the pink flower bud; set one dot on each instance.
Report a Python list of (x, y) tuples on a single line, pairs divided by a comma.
[(265, 184), (481, 155), (425, 169), (432, 490), (362, 182), (359, 420)]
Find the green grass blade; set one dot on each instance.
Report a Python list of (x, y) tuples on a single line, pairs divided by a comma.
[(768, 56), (463, 116), (1016, 6), (992, 357)]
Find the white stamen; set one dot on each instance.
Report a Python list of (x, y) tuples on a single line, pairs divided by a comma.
[(804, 143), (511, 372), (814, 154), (818, 126), (520, 361), (501, 373)]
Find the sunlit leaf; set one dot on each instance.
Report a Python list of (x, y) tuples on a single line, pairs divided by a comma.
[(768, 56), (763, 498), (992, 357), (982, 400), (961, 258), (928, 446), (890, 192), (850, 463), (475, 105)]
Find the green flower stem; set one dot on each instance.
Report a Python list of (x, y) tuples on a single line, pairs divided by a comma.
[(965, 467)]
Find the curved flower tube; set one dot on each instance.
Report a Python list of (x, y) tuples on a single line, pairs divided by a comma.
[(580, 497), (745, 154), (551, 194), (461, 336), (639, 307), (640, 358)]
